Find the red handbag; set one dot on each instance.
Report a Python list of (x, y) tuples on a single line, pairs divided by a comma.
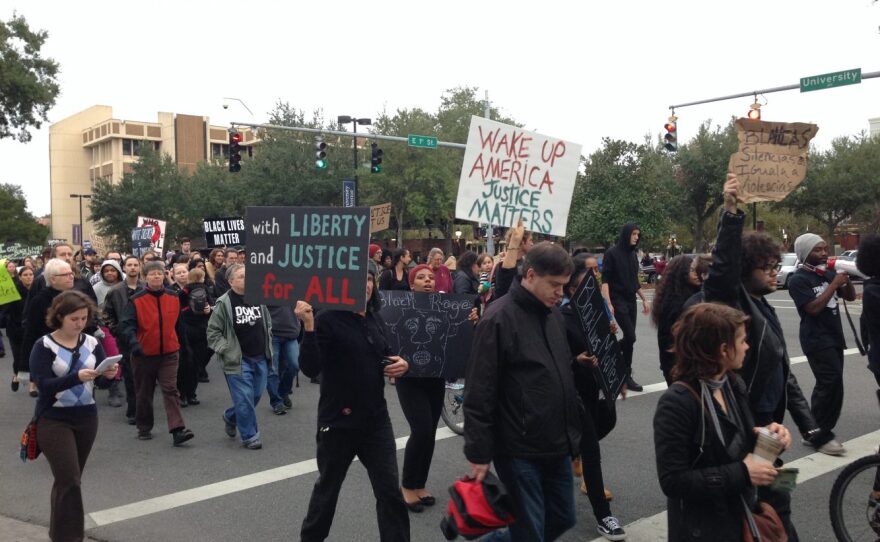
[(30, 449)]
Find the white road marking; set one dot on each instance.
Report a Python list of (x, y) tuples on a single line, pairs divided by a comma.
[(660, 386), (249, 481), (653, 528), (218, 489)]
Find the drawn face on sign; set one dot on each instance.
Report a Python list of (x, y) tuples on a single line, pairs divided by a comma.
[(418, 331)]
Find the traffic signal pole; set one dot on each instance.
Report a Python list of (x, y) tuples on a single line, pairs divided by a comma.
[(303, 129)]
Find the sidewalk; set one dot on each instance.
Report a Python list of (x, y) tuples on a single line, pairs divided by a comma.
[(20, 531)]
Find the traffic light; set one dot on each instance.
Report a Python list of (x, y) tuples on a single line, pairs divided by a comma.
[(671, 136), (376, 159), (234, 151), (755, 111), (320, 154)]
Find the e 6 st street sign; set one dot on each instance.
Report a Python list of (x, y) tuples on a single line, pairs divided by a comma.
[(426, 142), (831, 80)]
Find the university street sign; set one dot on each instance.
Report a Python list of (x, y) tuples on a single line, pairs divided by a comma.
[(831, 80)]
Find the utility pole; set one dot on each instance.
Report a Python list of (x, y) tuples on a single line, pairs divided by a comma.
[(344, 119), (81, 233), (490, 234)]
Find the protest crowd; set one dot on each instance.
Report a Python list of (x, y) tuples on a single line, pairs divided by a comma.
[(537, 403)]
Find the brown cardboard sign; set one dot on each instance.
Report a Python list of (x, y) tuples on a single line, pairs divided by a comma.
[(771, 159), (380, 217)]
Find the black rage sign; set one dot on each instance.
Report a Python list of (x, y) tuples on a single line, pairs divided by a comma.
[(141, 240), (315, 254), (600, 342), (431, 331), (224, 232)]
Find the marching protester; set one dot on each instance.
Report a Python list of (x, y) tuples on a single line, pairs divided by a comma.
[(395, 278), (195, 322), (114, 309), (15, 324), (110, 276), (58, 276), (64, 252), (152, 329), (84, 267), (815, 291), (868, 263), (421, 400), (683, 278), (596, 421), (467, 279), (353, 355), (63, 362), (743, 271), (285, 358), (96, 278), (704, 431), (375, 262), (187, 368), (221, 277), (520, 407), (486, 264), (620, 271), (442, 276), (216, 258), (241, 335)]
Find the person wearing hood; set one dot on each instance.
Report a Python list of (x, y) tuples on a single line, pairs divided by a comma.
[(815, 291), (620, 270), (111, 275)]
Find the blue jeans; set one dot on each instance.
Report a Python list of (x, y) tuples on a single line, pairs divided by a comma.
[(246, 389), (543, 497), (278, 385)]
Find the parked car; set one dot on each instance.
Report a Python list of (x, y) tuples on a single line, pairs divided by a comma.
[(787, 265), (649, 273), (848, 255)]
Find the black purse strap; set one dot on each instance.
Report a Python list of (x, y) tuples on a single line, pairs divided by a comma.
[(861, 347)]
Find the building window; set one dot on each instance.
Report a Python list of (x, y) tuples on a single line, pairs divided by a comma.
[(126, 147), (219, 151), (157, 145)]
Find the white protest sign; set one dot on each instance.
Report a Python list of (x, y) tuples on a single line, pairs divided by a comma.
[(158, 240), (510, 173)]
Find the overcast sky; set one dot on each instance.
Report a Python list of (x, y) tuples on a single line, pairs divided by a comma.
[(574, 70)]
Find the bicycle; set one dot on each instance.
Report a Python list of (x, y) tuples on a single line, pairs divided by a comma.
[(453, 400), (855, 501)]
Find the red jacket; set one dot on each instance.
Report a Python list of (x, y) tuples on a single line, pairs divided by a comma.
[(151, 322)]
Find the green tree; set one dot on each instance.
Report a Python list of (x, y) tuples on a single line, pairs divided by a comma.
[(16, 223), (701, 168), (153, 188), (28, 84), (840, 182), (621, 182)]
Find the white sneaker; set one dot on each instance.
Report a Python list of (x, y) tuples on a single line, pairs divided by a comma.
[(832, 447), (610, 528)]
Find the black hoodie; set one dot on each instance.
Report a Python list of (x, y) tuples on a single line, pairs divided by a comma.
[(620, 267)]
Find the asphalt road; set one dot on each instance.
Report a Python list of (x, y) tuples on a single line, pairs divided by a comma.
[(214, 490)]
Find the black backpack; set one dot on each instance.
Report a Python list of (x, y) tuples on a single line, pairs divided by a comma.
[(198, 300)]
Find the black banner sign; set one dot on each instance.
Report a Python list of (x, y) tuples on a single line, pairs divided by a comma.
[(141, 240), (316, 254), (431, 331), (224, 232), (600, 342)]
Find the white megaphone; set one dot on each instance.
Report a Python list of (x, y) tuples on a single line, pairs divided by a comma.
[(845, 266)]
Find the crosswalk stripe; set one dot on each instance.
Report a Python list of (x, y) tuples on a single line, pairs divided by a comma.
[(654, 528)]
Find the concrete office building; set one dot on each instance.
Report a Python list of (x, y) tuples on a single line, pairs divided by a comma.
[(92, 145)]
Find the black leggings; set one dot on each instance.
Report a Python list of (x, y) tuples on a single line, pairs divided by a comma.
[(591, 455), (421, 400)]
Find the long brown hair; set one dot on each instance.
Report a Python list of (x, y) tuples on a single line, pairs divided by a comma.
[(699, 334)]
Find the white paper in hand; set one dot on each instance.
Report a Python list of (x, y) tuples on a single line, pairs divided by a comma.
[(107, 363)]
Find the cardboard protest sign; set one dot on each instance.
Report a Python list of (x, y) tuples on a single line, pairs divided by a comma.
[(431, 331), (589, 305), (224, 232), (380, 217), (8, 291), (510, 173), (771, 159), (141, 240), (158, 240), (316, 254)]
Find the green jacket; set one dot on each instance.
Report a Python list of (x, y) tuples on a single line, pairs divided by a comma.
[(222, 339)]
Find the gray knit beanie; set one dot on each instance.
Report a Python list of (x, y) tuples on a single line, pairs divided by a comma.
[(805, 244)]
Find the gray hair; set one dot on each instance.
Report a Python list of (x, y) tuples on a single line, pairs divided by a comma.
[(56, 266), (434, 251), (233, 269)]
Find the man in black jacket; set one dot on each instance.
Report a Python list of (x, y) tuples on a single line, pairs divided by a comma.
[(620, 273), (521, 408)]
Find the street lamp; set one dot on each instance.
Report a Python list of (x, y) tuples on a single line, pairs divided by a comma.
[(458, 240), (345, 119), (81, 196)]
